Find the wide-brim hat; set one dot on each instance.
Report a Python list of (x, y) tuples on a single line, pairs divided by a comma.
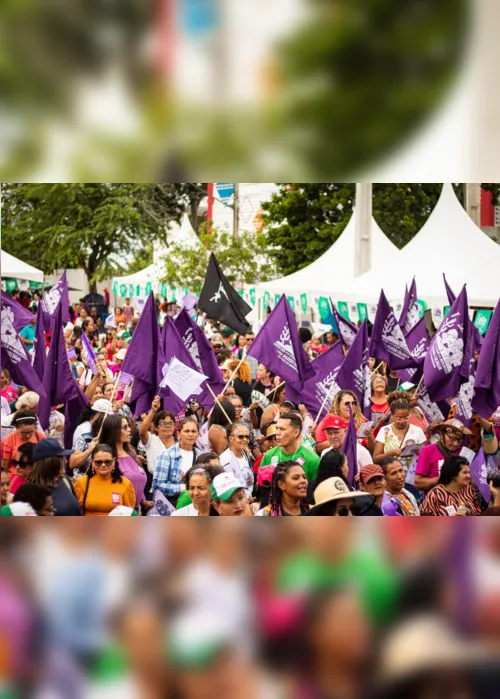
[(454, 424), (121, 354), (334, 489)]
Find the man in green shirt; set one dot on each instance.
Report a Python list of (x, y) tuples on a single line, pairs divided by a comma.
[(289, 447)]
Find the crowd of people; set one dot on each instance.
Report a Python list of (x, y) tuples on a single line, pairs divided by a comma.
[(255, 453)]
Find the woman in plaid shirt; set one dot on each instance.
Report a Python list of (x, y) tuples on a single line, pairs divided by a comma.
[(172, 464)]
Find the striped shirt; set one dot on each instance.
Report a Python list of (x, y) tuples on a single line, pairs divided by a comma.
[(441, 503)]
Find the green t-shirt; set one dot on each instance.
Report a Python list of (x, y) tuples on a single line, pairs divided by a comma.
[(183, 500), (28, 333), (307, 458)]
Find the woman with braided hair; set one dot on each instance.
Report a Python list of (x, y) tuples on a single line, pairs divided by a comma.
[(288, 497), (392, 438), (104, 487)]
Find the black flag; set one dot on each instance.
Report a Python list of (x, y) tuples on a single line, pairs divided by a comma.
[(221, 302)]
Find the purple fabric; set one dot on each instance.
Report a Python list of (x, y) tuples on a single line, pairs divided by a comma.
[(39, 350), (350, 449), (354, 374), (173, 346), (22, 317), (88, 353), (142, 359), (388, 343), (447, 363), (479, 472), (59, 383), (50, 301), (418, 343), (389, 506), (487, 386), (315, 389), (201, 351), (451, 298), (14, 356), (410, 315), (189, 301), (135, 474), (463, 401), (278, 346), (347, 330)]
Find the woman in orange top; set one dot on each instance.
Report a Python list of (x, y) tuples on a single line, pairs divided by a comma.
[(104, 487), (24, 423)]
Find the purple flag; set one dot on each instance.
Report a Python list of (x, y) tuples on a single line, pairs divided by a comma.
[(479, 473), (142, 359), (22, 317), (316, 389), (59, 383), (451, 298), (88, 353), (463, 401), (173, 346), (388, 343), (277, 346), (350, 449), (487, 385), (50, 300), (418, 343), (39, 349), (347, 330), (354, 374), (410, 314), (201, 352), (14, 355), (447, 363)]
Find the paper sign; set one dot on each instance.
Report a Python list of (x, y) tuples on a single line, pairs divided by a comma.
[(72, 353), (181, 379), (363, 429), (412, 449), (161, 506)]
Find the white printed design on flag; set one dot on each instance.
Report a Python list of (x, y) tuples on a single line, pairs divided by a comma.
[(464, 399), (285, 349), (192, 347), (328, 386), (393, 338), (10, 340), (447, 352), (431, 411), (347, 333), (51, 299), (412, 318), (218, 294)]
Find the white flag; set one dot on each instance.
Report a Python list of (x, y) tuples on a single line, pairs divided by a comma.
[(182, 380)]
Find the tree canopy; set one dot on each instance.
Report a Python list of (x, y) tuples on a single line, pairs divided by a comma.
[(97, 227)]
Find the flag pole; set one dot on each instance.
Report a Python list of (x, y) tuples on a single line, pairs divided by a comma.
[(230, 379), (374, 371), (275, 389), (323, 404), (419, 384), (110, 402), (219, 404)]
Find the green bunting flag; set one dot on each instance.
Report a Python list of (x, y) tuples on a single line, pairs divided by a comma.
[(266, 300), (324, 309), (149, 286), (343, 309), (163, 292), (115, 288), (422, 307), (131, 291), (11, 285), (446, 311), (35, 285), (252, 297), (482, 320), (123, 290), (291, 302), (276, 298), (303, 302), (362, 311)]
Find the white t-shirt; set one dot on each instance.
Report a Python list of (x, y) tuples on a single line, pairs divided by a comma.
[(153, 449), (363, 455), (187, 460), (5, 406), (188, 511), (387, 437), (82, 429)]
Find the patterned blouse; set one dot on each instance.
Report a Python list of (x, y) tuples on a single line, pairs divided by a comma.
[(440, 503)]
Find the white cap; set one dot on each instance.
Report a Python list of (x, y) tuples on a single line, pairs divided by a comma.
[(102, 406), (224, 485)]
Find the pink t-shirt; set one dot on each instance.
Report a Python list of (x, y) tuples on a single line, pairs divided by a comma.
[(431, 460), (10, 393)]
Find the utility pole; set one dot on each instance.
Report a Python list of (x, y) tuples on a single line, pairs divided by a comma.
[(473, 202), (363, 253), (236, 211)]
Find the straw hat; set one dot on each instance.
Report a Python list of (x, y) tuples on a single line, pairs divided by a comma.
[(335, 489), (452, 424)]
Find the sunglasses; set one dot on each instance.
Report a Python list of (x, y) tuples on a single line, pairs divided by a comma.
[(242, 437), (217, 346), (345, 510), (347, 402), (105, 462)]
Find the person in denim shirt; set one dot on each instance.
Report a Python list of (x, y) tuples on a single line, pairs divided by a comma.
[(172, 464)]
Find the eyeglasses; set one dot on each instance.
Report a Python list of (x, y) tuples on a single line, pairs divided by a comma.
[(455, 436), (106, 462), (217, 346), (26, 434), (166, 424), (242, 437), (351, 402), (250, 339)]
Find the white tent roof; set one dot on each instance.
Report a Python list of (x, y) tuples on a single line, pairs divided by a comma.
[(182, 234), (449, 242), (336, 266), (149, 274), (12, 268)]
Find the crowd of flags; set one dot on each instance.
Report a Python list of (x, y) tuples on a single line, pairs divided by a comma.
[(444, 367)]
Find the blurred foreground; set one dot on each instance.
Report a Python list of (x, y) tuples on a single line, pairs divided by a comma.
[(111, 609), (255, 90)]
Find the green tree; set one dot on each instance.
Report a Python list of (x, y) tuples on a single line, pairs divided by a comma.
[(95, 227), (304, 219), (243, 260)]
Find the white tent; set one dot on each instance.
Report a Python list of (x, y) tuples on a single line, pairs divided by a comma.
[(449, 242), (336, 267), (183, 234), (12, 268), (149, 274)]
